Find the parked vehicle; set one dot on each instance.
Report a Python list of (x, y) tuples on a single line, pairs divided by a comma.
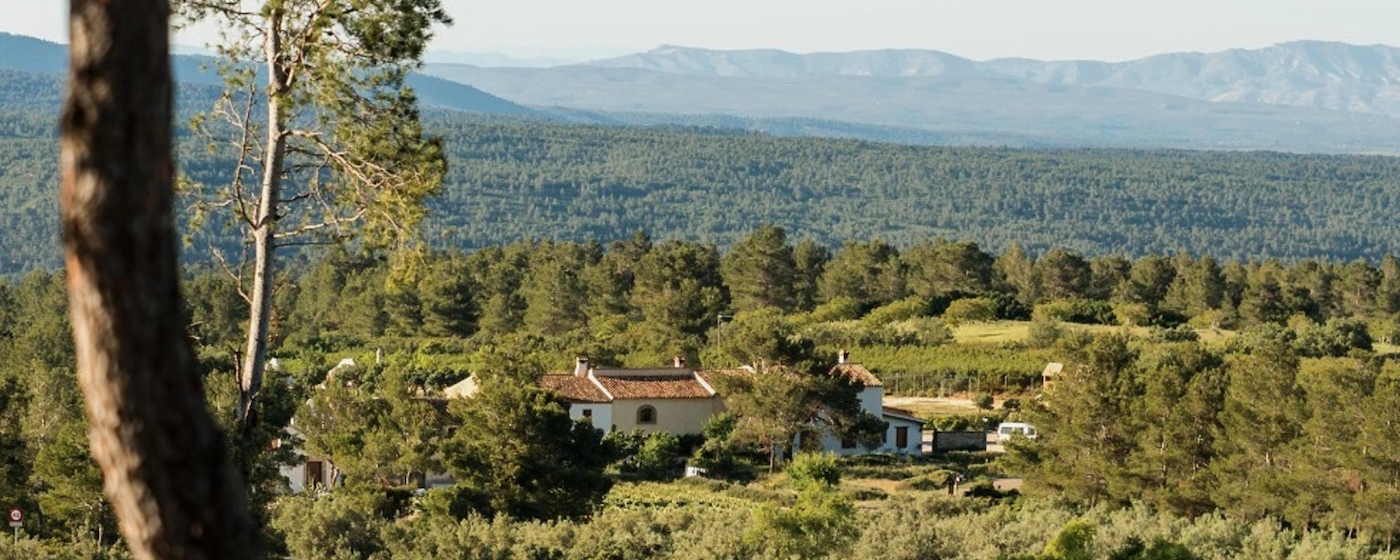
[(1008, 430)]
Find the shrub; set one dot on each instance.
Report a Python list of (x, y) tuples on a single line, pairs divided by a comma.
[(934, 481), (901, 310), (1132, 314), (815, 469), (925, 331), (1075, 542), (822, 523), (1180, 333), (838, 309), (970, 310), (1082, 311), (335, 525), (1044, 333), (659, 457)]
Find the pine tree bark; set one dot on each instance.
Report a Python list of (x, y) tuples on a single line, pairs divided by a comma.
[(164, 463), (265, 232)]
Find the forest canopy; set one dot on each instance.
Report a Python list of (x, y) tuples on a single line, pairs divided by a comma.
[(513, 180)]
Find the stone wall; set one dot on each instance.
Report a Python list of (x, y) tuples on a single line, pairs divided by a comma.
[(959, 441)]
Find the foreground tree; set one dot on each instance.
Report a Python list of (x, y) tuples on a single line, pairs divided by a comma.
[(518, 453), (163, 461), (341, 146)]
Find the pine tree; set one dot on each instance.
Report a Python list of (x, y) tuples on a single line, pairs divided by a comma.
[(870, 273), (339, 149), (809, 260), (1018, 271), (760, 271), (1260, 425), (1063, 275)]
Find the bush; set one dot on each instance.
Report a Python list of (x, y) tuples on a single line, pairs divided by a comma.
[(838, 309), (970, 310), (821, 524), (925, 331), (1132, 314), (934, 481), (1336, 338), (659, 457), (335, 525), (901, 310), (1181, 333), (1044, 333), (864, 494), (1081, 311), (983, 401), (815, 469)]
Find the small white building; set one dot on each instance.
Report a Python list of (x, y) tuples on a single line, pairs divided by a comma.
[(679, 400), (903, 436)]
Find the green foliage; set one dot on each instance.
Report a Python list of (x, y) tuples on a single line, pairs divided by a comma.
[(954, 367), (1076, 311), (1044, 333), (1075, 542), (904, 309), (837, 309), (335, 526), (815, 470), (970, 310), (822, 523), (654, 456), (516, 452)]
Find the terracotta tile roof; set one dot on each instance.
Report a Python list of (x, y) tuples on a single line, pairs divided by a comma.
[(709, 375), (901, 413), (654, 387), (573, 388), (857, 374)]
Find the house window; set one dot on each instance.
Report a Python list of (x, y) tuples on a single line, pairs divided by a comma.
[(646, 415), (848, 442), (588, 415)]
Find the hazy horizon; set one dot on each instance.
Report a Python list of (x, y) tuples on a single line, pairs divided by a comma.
[(1070, 29)]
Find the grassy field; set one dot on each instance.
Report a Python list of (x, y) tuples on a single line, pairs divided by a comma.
[(1015, 331)]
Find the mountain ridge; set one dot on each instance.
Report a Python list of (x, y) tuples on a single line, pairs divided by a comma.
[(46, 59), (1306, 73)]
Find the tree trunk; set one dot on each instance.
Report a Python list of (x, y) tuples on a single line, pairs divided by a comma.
[(164, 463), (264, 232)]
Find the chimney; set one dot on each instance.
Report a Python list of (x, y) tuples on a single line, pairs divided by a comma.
[(679, 362), (842, 356), (581, 366)]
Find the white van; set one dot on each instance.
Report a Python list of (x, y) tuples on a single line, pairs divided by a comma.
[(1008, 430)]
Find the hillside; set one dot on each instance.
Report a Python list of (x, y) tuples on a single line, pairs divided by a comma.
[(31, 80), (513, 181)]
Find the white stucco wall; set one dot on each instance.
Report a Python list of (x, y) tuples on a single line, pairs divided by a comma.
[(872, 400), (602, 414), (915, 444), (675, 416)]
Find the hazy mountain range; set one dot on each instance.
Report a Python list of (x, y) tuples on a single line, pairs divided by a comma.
[(1306, 96), (1301, 96), (1316, 74)]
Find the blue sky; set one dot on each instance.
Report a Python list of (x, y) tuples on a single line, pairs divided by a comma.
[(980, 29)]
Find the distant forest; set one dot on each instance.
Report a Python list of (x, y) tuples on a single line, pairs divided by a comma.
[(513, 180)]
